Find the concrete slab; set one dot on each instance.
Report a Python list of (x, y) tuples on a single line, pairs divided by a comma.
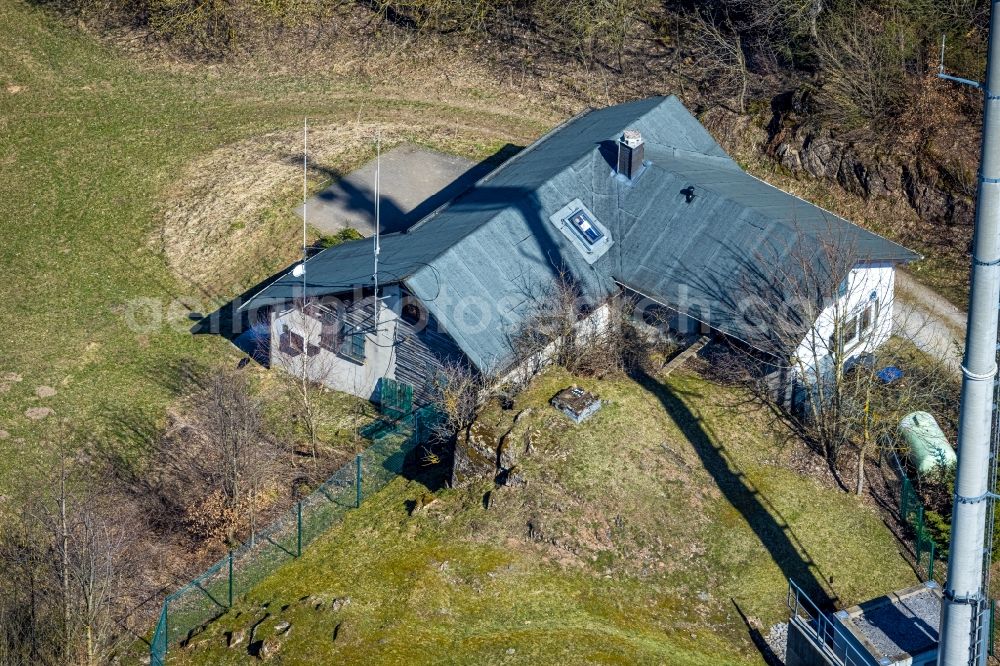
[(414, 181), (899, 628)]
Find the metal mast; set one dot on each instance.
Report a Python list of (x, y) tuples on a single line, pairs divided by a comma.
[(965, 610), (377, 248), (305, 251)]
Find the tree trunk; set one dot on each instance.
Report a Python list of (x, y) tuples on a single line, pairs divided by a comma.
[(860, 486), (64, 547)]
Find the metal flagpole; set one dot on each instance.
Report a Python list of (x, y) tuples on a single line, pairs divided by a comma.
[(964, 617), (378, 178), (305, 207), (305, 191)]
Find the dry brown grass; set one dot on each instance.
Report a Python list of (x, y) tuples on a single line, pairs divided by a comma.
[(229, 217), (219, 223)]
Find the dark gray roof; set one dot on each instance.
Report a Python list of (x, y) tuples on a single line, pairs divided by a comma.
[(494, 243)]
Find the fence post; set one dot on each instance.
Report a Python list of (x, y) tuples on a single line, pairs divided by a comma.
[(993, 612), (904, 499), (357, 482), (230, 579), (298, 528), (930, 564)]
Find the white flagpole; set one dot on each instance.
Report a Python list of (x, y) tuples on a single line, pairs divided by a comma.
[(378, 177), (305, 185)]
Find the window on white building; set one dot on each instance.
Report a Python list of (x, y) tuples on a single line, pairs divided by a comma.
[(851, 330), (290, 343), (869, 317)]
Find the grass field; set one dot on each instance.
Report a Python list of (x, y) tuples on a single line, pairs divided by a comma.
[(97, 150), (653, 522)]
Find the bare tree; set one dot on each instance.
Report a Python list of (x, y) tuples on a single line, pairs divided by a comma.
[(32, 619), (70, 564), (591, 26), (864, 76), (877, 407), (460, 391), (99, 566), (320, 341), (213, 462), (562, 327), (231, 420), (716, 46), (820, 329), (779, 18)]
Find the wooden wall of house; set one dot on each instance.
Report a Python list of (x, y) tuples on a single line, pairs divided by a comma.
[(420, 354)]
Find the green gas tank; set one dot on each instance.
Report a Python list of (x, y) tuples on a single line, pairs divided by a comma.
[(930, 451)]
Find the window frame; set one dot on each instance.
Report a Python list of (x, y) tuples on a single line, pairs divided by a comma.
[(353, 345), (330, 337), (851, 327), (574, 221), (287, 344)]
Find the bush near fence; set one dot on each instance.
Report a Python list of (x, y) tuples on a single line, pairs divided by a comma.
[(212, 593)]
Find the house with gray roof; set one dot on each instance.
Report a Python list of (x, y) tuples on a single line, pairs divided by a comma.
[(635, 198)]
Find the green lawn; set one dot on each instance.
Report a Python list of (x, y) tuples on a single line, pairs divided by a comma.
[(658, 518), (93, 146)]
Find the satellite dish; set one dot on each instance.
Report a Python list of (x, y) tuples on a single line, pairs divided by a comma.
[(299, 270)]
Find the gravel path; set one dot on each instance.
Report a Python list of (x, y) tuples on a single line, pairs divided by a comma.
[(929, 321)]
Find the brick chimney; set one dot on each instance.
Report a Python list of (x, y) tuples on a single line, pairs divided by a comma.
[(630, 152)]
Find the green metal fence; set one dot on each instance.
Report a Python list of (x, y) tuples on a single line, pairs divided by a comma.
[(212, 593), (911, 512)]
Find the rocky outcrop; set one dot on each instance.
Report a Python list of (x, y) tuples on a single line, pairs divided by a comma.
[(480, 453), (475, 455), (868, 173)]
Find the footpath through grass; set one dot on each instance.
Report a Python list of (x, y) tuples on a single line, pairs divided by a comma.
[(90, 143), (636, 538)]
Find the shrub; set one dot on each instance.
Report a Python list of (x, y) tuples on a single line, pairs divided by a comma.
[(342, 236)]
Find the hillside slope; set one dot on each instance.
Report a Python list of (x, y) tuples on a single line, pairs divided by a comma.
[(639, 537)]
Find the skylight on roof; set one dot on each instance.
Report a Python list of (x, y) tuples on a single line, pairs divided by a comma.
[(578, 224), (584, 225)]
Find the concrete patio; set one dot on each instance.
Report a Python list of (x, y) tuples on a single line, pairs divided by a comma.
[(414, 182)]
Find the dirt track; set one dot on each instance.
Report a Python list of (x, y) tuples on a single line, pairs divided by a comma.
[(929, 321)]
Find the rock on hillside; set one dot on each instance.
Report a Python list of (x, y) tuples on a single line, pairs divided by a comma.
[(927, 159)]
